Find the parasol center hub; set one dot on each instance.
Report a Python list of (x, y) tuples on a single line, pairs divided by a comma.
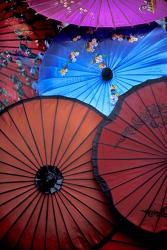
[(107, 74), (49, 179)]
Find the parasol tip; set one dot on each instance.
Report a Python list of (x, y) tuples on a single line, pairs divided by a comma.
[(48, 179), (107, 74)]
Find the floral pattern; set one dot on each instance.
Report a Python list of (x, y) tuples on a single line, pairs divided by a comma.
[(71, 4), (121, 37), (64, 71), (98, 59), (91, 45), (20, 60), (3, 103), (73, 56), (27, 67), (132, 39), (102, 65), (118, 37), (76, 38), (82, 10), (148, 5), (114, 94), (72, 59)]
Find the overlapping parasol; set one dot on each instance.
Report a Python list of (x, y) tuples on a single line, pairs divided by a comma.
[(22, 43), (130, 156), (104, 13), (96, 68), (49, 198), (120, 241)]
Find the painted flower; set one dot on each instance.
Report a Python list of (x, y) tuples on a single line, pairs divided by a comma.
[(3, 91), (73, 56), (113, 90), (114, 98), (102, 66), (75, 39), (90, 45), (114, 94), (76, 53), (118, 37), (113, 87), (114, 36), (148, 5), (98, 59), (9, 57), (19, 62), (132, 39), (64, 71), (81, 10)]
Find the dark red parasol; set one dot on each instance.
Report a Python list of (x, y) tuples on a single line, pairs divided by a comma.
[(130, 156), (23, 39), (120, 241), (49, 198)]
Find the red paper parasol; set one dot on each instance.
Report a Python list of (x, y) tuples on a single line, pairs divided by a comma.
[(130, 156), (49, 198), (22, 42), (120, 241)]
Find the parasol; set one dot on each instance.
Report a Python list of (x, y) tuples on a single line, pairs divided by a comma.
[(105, 13), (120, 241), (130, 156), (49, 198), (97, 68), (22, 43)]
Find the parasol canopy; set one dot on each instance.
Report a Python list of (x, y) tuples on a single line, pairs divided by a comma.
[(120, 241), (23, 39), (49, 198), (96, 68), (104, 13), (130, 156)]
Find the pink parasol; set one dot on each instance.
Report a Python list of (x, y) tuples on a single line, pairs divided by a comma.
[(104, 13)]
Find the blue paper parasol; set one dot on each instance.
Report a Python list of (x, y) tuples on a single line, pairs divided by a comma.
[(97, 68)]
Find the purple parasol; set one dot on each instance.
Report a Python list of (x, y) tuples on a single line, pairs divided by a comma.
[(101, 13)]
